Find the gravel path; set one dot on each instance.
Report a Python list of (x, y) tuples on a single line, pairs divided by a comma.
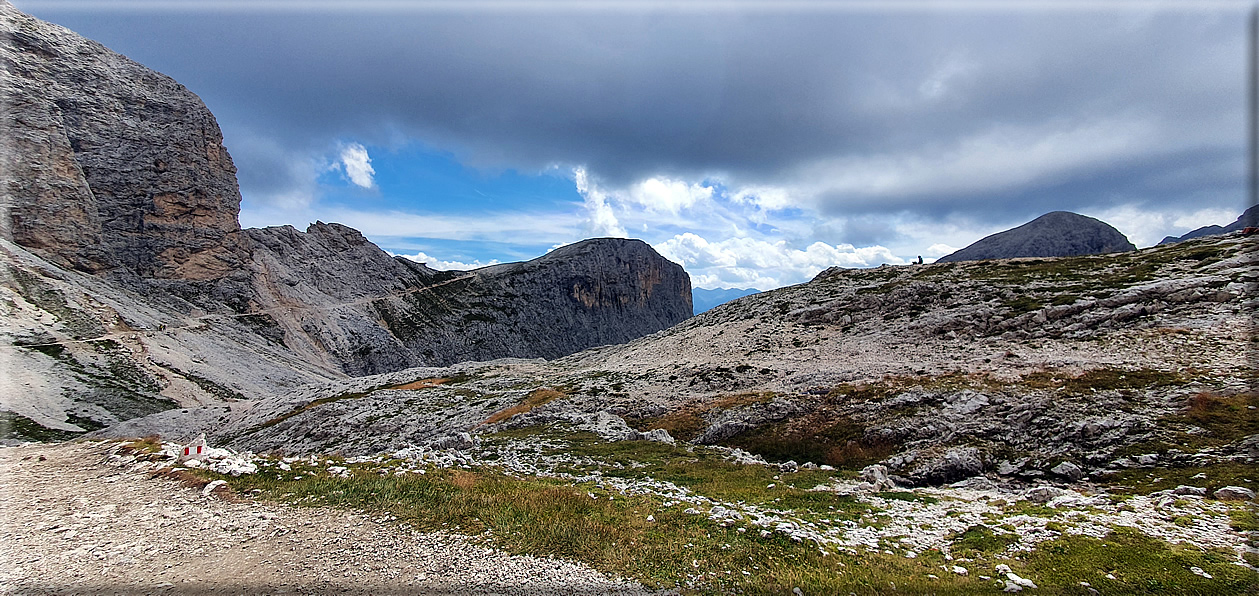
[(73, 521)]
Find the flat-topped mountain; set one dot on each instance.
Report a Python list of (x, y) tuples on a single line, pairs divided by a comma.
[(123, 252), (1055, 234)]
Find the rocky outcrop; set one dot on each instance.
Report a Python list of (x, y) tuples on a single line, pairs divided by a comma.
[(1056, 234), (1249, 218), (131, 175)]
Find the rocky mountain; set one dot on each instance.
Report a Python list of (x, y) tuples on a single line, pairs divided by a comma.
[(130, 287), (1056, 234), (706, 300), (1249, 218), (1020, 370)]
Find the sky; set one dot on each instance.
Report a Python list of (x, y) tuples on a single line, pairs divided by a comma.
[(755, 144)]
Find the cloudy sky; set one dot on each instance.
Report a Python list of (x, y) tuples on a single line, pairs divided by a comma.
[(754, 143)]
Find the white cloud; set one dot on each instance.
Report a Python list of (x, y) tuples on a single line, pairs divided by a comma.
[(938, 250), (665, 195), (749, 262), (768, 198), (435, 263), (357, 165), (1146, 228), (600, 219)]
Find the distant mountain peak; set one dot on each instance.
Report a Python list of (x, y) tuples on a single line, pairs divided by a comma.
[(1248, 218), (1054, 234)]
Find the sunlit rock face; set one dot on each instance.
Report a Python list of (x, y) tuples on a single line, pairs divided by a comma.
[(107, 164)]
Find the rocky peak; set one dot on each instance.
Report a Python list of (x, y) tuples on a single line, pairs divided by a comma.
[(133, 174), (1055, 234)]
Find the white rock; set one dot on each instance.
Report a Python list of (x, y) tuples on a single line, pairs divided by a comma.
[(958, 569), (1043, 494), (1003, 568), (1235, 493), (1200, 572), (1022, 581), (209, 488), (1196, 491)]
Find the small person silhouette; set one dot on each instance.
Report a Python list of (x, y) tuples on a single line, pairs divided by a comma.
[(919, 259)]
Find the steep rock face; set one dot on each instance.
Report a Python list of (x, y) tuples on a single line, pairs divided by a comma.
[(591, 293), (1248, 218), (131, 174), (1056, 234)]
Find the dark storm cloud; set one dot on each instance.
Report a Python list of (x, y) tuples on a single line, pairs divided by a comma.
[(760, 98)]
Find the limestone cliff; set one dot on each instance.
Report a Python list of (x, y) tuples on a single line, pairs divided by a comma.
[(108, 164), (119, 230)]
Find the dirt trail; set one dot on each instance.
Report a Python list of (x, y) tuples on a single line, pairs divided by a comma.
[(75, 518)]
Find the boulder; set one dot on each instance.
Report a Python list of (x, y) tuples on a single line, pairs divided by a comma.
[(1235, 493), (1068, 470)]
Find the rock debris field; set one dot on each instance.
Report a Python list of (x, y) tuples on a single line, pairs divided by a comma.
[(75, 522)]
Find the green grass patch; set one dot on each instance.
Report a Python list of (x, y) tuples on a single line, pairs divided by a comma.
[(980, 541), (1227, 418), (1023, 304), (1218, 475), (1139, 565), (17, 426), (1103, 379)]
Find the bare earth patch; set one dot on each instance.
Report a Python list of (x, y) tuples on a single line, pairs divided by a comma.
[(73, 522)]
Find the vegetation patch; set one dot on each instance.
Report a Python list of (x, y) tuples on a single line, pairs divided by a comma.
[(1226, 418), (821, 437), (535, 398), (1129, 562), (417, 385), (688, 422), (19, 427), (979, 541), (1103, 379), (1212, 477)]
